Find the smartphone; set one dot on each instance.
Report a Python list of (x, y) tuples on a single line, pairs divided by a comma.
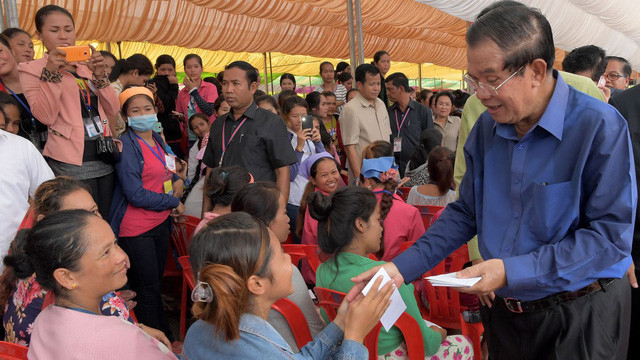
[(77, 53), (307, 122), (150, 81)]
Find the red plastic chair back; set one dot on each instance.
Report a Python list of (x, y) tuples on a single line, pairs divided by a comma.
[(296, 320), (188, 283), (187, 273), (300, 251), (29, 219), (410, 331), (373, 257), (11, 351), (329, 301), (404, 192), (183, 230), (405, 245), (427, 213)]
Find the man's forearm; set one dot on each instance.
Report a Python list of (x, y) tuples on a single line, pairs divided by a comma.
[(282, 181), (354, 160)]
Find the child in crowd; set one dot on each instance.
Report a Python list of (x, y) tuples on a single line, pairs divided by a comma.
[(349, 230)]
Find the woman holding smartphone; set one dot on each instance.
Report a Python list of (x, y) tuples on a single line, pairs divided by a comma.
[(74, 100)]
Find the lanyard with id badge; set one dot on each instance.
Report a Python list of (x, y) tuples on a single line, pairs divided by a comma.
[(397, 141), (169, 163), (92, 124), (226, 145)]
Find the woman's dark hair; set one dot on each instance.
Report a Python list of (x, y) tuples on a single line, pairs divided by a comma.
[(290, 77), (270, 100), (134, 62), (198, 116), (7, 100), (45, 11), (313, 100), (342, 65), (522, 33), (218, 103), (432, 99), (429, 139), (292, 102), (215, 82), (323, 64), (223, 183), (57, 241), (337, 215), (423, 94), (259, 199), (344, 77), (378, 149), (437, 96), (460, 99), (440, 168), (284, 95), (192, 56), (107, 54), (165, 59), (12, 32), (224, 255), (378, 55), (308, 189), (5, 41)]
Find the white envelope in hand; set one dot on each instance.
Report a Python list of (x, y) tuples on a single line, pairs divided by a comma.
[(451, 280), (397, 306)]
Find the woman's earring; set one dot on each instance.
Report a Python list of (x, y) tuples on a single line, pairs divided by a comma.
[(74, 285)]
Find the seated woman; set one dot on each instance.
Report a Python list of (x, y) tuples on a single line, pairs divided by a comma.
[(220, 187), (75, 254), (416, 169), (402, 222), (21, 296), (323, 173), (241, 271), (263, 201), (441, 188), (354, 232)]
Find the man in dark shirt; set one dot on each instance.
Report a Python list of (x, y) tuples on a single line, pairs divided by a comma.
[(248, 136), (408, 115)]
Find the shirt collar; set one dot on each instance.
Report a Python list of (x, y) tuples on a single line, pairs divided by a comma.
[(412, 105), (256, 325), (552, 119), (249, 113), (363, 101)]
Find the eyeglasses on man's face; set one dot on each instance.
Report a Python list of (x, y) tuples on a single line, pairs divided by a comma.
[(493, 90), (613, 75)]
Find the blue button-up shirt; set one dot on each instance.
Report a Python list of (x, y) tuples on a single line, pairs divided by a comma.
[(556, 205)]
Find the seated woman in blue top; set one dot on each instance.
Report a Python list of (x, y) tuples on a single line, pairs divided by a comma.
[(241, 271), (355, 232)]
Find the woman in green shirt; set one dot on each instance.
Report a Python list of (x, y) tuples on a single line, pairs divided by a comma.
[(354, 233)]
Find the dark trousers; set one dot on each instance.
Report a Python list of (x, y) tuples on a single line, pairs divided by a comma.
[(594, 326), (148, 255), (634, 346), (102, 192)]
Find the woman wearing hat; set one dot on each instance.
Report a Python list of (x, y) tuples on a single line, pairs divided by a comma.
[(142, 203)]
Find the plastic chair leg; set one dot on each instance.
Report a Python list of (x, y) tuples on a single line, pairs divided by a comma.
[(183, 310), (473, 331)]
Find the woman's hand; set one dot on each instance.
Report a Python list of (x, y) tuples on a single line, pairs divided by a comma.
[(364, 312), (153, 88), (179, 210), (156, 334), (303, 136), (189, 84), (315, 136), (56, 60), (173, 78), (96, 64)]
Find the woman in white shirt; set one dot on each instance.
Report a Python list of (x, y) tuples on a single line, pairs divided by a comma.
[(440, 190)]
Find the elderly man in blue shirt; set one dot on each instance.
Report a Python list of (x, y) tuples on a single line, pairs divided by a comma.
[(550, 191)]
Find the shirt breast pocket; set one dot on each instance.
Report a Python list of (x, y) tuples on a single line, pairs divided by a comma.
[(552, 211)]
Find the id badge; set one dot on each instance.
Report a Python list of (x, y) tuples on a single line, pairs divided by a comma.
[(171, 163), (397, 144), (98, 122), (167, 184), (91, 129)]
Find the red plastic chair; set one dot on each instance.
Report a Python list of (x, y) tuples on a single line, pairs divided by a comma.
[(300, 251), (183, 231), (427, 213), (188, 283), (404, 192), (405, 245), (330, 300), (296, 320), (11, 351)]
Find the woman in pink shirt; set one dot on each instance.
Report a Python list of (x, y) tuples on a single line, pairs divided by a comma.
[(402, 222), (75, 255), (74, 100)]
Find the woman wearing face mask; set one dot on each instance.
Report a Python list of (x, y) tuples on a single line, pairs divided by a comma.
[(197, 96), (144, 198), (74, 254), (21, 44), (74, 100), (132, 71)]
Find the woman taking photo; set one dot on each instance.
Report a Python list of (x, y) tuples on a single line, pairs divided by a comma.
[(241, 271), (147, 192), (74, 100), (75, 255), (448, 125), (348, 231)]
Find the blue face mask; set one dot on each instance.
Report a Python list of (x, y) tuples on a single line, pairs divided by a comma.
[(142, 122)]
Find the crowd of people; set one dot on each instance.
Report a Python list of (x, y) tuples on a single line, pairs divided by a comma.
[(105, 155)]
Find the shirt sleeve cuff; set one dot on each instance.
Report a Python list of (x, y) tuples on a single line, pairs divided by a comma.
[(520, 272), (331, 335), (409, 265), (193, 91)]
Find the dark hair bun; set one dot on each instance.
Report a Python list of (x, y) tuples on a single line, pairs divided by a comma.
[(21, 263), (319, 205)]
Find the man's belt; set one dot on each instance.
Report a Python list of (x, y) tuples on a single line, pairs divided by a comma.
[(519, 306)]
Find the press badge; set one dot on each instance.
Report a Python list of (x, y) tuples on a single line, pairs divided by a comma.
[(397, 144), (93, 127), (171, 163), (167, 184)]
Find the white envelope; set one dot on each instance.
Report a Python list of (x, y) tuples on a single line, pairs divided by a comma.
[(397, 306), (450, 280)]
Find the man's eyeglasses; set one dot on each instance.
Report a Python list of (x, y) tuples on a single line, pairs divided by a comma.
[(493, 90), (613, 75)]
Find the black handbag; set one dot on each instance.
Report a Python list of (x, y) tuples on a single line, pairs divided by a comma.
[(107, 150)]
